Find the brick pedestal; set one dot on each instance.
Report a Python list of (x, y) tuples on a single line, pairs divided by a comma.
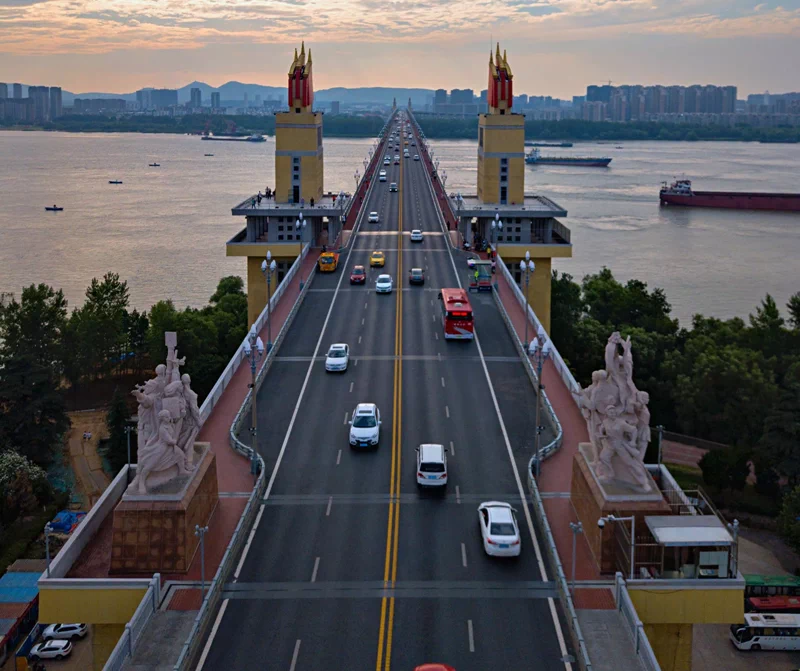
[(156, 533), (591, 503)]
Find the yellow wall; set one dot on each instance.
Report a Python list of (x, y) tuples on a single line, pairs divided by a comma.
[(93, 606), (303, 137), (672, 645), (688, 606), (104, 639), (257, 287), (502, 134)]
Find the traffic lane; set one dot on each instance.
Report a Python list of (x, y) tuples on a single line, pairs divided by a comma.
[(307, 541), (517, 397), (422, 325), (504, 634), (331, 632), (490, 326), (322, 430), (301, 338)]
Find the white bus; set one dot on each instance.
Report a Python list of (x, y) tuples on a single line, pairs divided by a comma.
[(767, 631)]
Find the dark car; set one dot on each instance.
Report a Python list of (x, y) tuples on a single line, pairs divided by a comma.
[(416, 276), (358, 275)]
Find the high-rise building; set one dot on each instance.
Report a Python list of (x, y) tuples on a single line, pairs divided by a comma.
[(245, 99), (196, 98), (144, 99), (462, 97), (440, 97), (215, 100), (3, 90), (55, 102), (163, 98), (598, 93), (40, 95), (17, 91), (334, 107)]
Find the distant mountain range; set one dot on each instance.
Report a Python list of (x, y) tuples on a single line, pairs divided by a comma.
[(231, 91)]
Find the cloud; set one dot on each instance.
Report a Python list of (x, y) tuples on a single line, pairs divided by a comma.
[(106, 26)]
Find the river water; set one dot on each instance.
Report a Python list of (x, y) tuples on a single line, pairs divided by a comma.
[(164, 229)]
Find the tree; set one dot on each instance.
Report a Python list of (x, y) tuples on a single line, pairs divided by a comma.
[(767, 328), (789, 518), (726, 469), (780, 441), (23, 486), (105, 306), (117, 418), (793, 306), (566, 309), (34, 326), (163, 317), (232, 285)]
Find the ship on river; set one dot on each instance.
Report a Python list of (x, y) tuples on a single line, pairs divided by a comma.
[(680, 192), (536, 158), (235, 138)]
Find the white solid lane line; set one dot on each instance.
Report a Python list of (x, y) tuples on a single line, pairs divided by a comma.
[(346, 415), (339, 457), (452, 449), (295, 655), (330, 503), (211, 636), (556, 622), (464, 555), (458, 495), (314, 572), (470, 633)]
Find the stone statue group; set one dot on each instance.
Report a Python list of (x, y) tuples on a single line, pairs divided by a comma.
[(169, 420), (617, 418)]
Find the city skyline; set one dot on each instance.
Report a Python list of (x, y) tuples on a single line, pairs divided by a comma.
[(561, 46)]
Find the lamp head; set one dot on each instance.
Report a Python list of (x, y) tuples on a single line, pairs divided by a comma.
[(272, 266), (533, 347), (547, 348), (527, 256), (522, 266), (601, 522), (260, 345), (247, 348), (541, 332), (263, 266), (269, 255)]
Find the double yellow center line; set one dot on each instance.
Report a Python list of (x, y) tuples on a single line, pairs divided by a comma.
[(393, 527)]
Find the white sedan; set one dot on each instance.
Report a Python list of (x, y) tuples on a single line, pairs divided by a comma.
[(373, 218), (383, 285), (51, 650), (499, 529), (337, 358), (471, 262), (416, 235), (65, 632)]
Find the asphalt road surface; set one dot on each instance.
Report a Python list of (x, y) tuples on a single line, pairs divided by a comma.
[(352, 566)]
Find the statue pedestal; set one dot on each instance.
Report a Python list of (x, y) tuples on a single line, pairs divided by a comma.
[(155, 532), (593, 499)]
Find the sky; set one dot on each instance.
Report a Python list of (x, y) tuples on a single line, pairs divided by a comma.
[(555, 47)]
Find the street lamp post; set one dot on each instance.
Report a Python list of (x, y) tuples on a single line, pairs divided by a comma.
[(540, 349), (254, 350), (47, 531), (443, 177), (128, 430), (356, 176), (268, 267), (527, 267), (734, 561), (577, 528), (497, 227), (660, 429), (613, 518), (201, 532)]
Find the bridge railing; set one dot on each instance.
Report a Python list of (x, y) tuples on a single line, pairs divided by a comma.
[(132, 633), (644, 650), (238, 357), (213, 596), (573, 625)]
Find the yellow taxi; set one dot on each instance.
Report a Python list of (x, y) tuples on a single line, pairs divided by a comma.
[(377, 259)]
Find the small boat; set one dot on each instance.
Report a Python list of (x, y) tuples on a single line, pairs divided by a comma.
[(115, 181), (208, 154), (154, 165), (54, 209)]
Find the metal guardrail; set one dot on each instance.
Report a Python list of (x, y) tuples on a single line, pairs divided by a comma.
[(238, 356), (132, 633), (546, 450), (644, 650), (573, 626)]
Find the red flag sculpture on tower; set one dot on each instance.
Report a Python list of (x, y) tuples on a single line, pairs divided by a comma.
[(301, 89), (500, 94)]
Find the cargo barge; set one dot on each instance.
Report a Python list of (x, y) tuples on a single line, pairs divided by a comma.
[(680, 192), (584, 161)]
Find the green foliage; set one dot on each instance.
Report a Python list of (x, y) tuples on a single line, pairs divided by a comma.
[(793, 306), (779, 446), (789, 518), (23, 485), (726, 469), (116, 447), (32, 415)]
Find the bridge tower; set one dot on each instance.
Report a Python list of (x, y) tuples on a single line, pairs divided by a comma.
[(394, 105), (298, 138), (517, 224)]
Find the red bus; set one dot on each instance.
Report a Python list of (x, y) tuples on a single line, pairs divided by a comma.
[(457, 315), (773, 604)]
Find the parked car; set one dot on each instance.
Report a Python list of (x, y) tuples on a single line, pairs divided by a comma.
[(54, 649), (65, 632)]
